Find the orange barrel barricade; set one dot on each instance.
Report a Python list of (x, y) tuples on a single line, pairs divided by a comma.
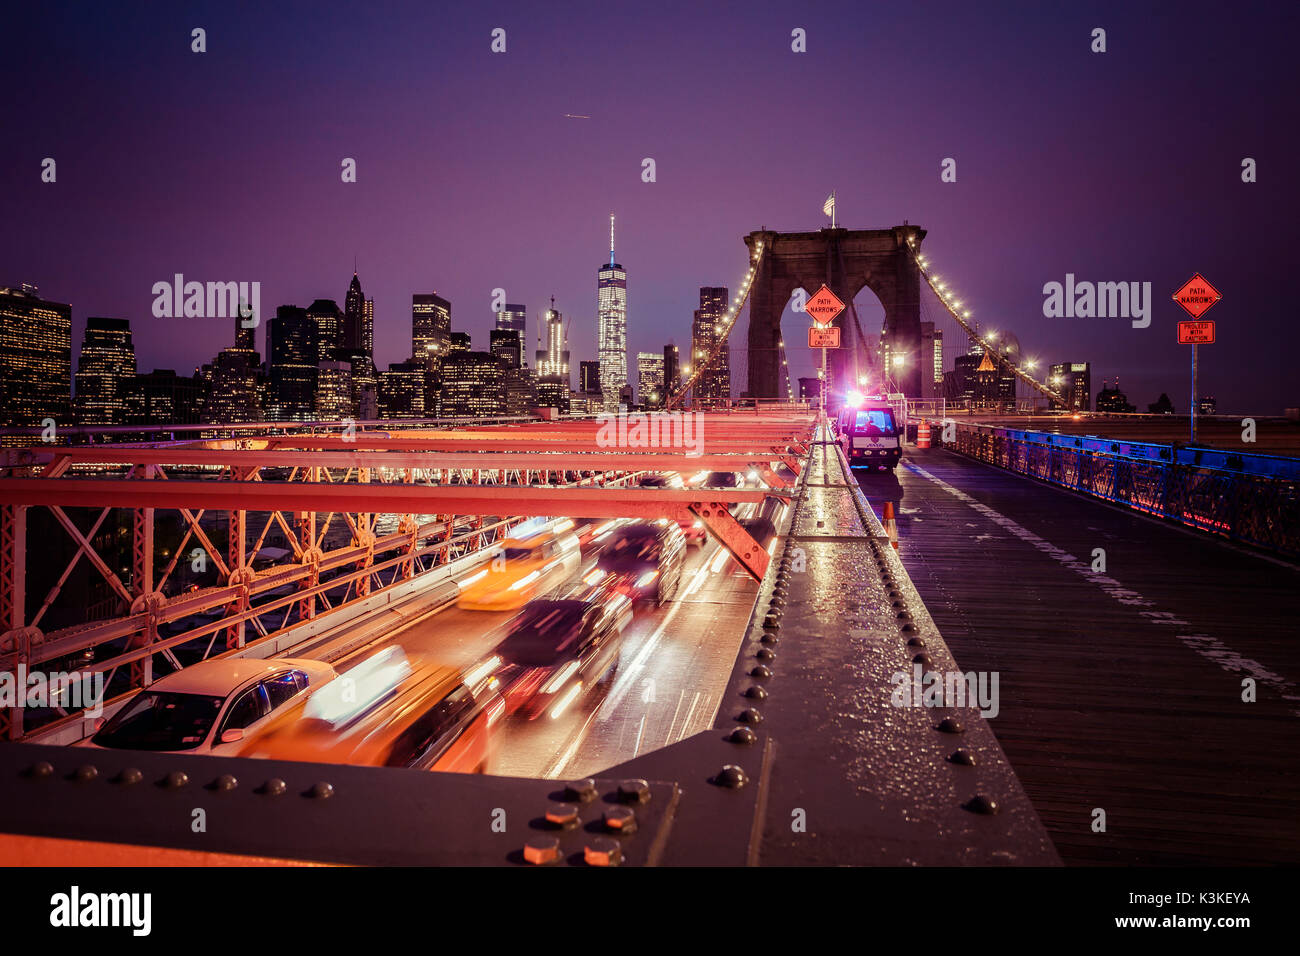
[(923, 434)]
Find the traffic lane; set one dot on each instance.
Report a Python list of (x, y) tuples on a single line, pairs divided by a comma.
[(674, 666)]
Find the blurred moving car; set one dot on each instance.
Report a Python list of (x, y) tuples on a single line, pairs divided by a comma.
[(211, 706), (392, 711), (643, 559), (557, 650), (693, 528), (527, 566)]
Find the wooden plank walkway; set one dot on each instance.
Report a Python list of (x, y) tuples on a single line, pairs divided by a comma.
[(1121, 690)]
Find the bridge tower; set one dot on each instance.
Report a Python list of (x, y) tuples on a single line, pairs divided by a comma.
[(846, 260)]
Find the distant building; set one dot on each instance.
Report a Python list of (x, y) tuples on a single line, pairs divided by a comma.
[(35, 359), (714, 384), (106, 373), (401, 390), (1111, 399), (589, 378), (334, 392), (508, 346), (513, 318), (1073, 382), (1161, 406), (354, 336), (293, 353), (810, 389), (611, 310), (672, 369), (368, 327), (1206, 405), (329, 329), (233, 388), (931, 359), (459, 342), (987, 393), (472, 384), (553, 364), (650, 379), (430, 326), (165, 398)]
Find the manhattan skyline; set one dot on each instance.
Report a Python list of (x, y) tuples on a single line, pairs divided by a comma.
[(231, 168)]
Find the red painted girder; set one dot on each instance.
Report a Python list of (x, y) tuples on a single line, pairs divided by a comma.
[(599, 460), (586, 502), (731, 534)]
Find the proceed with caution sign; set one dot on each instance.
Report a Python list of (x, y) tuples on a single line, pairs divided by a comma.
[(1196, 333), (823, 338)]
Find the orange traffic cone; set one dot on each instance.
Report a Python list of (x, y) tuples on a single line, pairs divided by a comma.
[(891, 526)]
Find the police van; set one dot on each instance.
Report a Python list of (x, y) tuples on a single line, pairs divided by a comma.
[(870, 433)]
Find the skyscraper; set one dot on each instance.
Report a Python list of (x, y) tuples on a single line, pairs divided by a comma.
[(507, 345), (553, 363), (293, 352), (514, 318), (589, 378), (35, 359), (672, 375), (401, 390), (1073, 382), (611, 305), (714, 383), (329, 328), (472, 385), (650, 379), (105, 372), (354, 319), (368, 328), (430, 326)]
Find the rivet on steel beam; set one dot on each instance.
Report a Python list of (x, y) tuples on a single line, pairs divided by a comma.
[(633, 791), (760, 670), (128, 776), (904, 615), (620, 819), (915, 642), (770, 639), (542, 849), (750, 715), (603, 851), (981, 804), (765, 654), (963, 757), (908, 628), (321, 790), (225, 782), (772, 622), (922, 658), (40, 770), (951, 725), (899, 604), (731, 776), (584, 791), (175, 780), (754, 692), (85, 773), (777, 601), (742, 735), (563, 815), (274, 787)]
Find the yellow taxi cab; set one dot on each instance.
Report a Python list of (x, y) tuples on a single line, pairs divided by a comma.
[(527, 566), (394, 710)]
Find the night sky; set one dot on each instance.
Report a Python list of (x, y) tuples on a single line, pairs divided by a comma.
[(225, 165)]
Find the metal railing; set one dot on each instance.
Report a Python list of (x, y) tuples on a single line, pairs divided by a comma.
[(1252, 499)]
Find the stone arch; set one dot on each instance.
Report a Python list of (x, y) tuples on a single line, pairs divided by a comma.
[(847, 261)]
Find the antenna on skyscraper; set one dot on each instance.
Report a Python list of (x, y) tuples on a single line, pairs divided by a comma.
[(611, 239)]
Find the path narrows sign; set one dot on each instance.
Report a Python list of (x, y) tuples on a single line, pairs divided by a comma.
[(824, 306), (1197, 296)]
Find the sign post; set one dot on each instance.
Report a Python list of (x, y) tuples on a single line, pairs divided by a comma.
[(1196, 296), (824, 306)]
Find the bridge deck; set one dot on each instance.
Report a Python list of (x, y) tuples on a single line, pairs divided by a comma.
[(1119, 690)]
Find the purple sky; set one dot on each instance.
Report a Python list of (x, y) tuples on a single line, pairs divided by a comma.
[(225, 165)]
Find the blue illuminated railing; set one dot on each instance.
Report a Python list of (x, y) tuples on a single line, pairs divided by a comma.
[(1254, 499)]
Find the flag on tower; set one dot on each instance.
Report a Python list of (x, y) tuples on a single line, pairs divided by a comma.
[(829, 208)]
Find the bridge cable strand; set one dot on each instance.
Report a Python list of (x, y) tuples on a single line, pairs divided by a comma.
[(700, 366), (950, 304)]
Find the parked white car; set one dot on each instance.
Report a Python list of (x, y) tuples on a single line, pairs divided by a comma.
[(209, 707)]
